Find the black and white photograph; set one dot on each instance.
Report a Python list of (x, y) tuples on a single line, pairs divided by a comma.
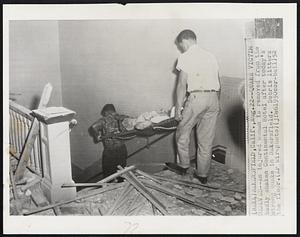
[(160, 115)]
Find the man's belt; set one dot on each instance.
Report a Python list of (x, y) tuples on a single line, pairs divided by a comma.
[(196, 91)]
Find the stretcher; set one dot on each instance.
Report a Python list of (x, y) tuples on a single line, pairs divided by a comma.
[(164, 126)]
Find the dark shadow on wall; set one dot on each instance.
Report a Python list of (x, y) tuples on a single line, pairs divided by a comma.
[(92, 134), (237, 125), (76, 173), (89, 174), (35, 102)]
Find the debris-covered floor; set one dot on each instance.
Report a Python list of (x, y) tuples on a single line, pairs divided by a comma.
[(225, 195)]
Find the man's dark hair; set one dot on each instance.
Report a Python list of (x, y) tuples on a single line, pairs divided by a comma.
[(108, 108), (186, 34)]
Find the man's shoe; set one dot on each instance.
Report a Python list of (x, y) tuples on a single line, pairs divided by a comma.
[(176, 168), (203, 180)]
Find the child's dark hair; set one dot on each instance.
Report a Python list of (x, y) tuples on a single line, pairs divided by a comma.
[(108, 108), (186, 34)]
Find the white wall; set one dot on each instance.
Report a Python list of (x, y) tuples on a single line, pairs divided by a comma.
[(34, 61), (224, 38)]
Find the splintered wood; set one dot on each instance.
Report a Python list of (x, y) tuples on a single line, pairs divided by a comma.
[(164, 193)]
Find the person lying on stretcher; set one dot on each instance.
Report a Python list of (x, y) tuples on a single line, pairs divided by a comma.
[(145, 125)]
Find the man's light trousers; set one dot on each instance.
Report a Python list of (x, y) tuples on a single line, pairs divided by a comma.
[(201, 110)]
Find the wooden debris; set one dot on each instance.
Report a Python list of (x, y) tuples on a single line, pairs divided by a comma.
[(89, 211), (38, 198), (34, 201), (93, 208), (144, 191), (193, 191), (195, 185), (96, 192), (227, 209), (237, 196), (100, 212), (182, 197), (153, 210), (129, 208), (181, 182), (216, 195), (124, 200), (12, 180), (112, 177), (27, 193), (15, 193), (228, 199), (198, 212), (135, 203), (32, 183), (57, 211), (146, 175), (137, 209), (230, 171), (127, 189), (15, 155), (82, 185)]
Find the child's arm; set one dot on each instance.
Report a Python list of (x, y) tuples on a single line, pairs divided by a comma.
[(95, 130)]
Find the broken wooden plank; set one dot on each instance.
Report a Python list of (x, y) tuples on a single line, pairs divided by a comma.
[(197, 185), (180, 196), (33, 132), (82, 185), (176, 181), (96, 192), (13, 184), (130, 177), (146, 175), (15, 193), (46, 94), (111, 177), (126, 190)]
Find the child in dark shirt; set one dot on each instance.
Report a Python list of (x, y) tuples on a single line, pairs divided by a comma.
[(115, 151)]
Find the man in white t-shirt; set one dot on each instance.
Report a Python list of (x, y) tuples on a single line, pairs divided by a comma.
[(199, 76)]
